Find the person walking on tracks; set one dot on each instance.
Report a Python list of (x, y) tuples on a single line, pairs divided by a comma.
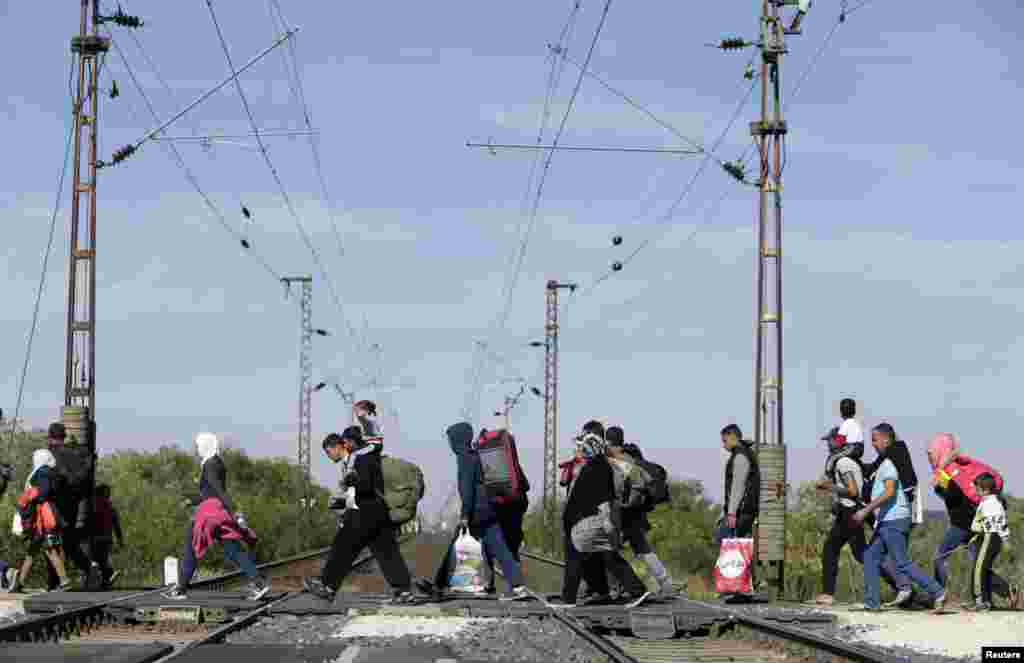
[(106, 525), (953, 478), (634, 486), (369, 525), (591, 526), (892, 517), (75, 465), (844, 480), (991, 529), (41, 520), (215, 518), (481, 505), (742, 486)]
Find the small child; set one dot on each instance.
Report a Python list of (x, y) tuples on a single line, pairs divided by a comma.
[(994, 534)]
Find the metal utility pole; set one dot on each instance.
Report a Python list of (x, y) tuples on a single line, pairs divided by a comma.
[(305, 377), (769, 133), (80, 356), (551, 405)]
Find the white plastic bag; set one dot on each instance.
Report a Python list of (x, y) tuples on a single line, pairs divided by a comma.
[(468, 573), (16, 527), (917, 507)]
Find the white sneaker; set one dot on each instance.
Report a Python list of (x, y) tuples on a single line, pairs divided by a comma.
[(901, 598)]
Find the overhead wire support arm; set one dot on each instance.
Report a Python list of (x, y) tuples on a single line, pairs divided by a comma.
[(128, 150), (262, 134), (577, 148)]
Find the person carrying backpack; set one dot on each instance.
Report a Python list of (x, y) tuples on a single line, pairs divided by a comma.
[(633, 487), (742, 486), (844, 480), (592, 526), (42, 525), (370, 525), (71, 478), (892, 527), (953, 479), (991, 529)]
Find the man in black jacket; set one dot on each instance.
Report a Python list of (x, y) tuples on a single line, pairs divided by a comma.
[(366, 526), (742, 486), (74, 469)]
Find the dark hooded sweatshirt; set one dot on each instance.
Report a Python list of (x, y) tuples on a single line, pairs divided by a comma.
[(476, 507), (594, 486), (960, 509)]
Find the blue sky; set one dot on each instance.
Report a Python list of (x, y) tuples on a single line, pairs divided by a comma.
[(901, 277)]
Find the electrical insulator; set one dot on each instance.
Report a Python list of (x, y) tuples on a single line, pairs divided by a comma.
[(122, 19), (123, 154), (114, 92), (616, 266), (735, 170), (616, 240), (749, 73), (245, 244), (733, 43)]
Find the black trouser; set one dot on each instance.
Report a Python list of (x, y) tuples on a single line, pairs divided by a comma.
[(367, 527), (634, 532), (595, 568), (981, 579), (846, 530), (99, 550)]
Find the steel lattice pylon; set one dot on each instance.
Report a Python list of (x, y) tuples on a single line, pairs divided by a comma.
[(305, 379), (551, 403)]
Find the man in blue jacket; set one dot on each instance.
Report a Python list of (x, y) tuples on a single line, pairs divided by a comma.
[(479, 512)]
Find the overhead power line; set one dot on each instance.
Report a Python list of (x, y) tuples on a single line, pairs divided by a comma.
[(577, 148), (273, 171), (180, 162), (711, 211), (42, 282), (298, 93)]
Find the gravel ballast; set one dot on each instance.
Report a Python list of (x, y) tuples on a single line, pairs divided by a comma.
[(512, 640)]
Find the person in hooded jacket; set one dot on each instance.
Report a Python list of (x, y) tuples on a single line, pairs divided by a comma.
[(591, 527), (41, 520), (943, 454), (367, 526), (480, 514), (742, 486), (843, 480), (214, 518)]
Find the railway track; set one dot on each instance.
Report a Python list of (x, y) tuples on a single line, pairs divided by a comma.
[(96, 622), (738, 637)]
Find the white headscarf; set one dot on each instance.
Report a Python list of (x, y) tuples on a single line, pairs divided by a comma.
[(40, 458), (208, 446)]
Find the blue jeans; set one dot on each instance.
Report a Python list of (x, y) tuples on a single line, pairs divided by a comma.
[(232, 551), (890, 539), (954, 538), (493, 540)]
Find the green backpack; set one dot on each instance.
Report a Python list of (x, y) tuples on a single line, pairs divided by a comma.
[(403, 488)]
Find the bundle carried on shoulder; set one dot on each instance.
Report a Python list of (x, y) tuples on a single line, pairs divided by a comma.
[(403, 488)]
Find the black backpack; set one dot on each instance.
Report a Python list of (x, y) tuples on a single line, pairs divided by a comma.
[(658, 488)]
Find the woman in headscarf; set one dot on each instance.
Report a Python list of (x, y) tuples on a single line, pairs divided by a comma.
[(215, 519), (590, 522), (953, 476), (40, 519)]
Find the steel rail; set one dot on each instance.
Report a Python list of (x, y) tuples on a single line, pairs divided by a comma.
[(60, 624), (791, 633)]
